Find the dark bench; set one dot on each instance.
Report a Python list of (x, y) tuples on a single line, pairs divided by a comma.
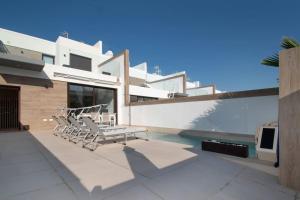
[(239, 150)]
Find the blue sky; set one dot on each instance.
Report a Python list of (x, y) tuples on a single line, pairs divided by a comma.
[(214, 41)]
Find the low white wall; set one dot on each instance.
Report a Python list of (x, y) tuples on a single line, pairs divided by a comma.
[(237, 115)]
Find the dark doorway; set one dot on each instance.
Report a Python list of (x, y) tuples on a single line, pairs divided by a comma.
[(9, 108)]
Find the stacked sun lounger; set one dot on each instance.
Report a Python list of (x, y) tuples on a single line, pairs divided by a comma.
[(80, 125)]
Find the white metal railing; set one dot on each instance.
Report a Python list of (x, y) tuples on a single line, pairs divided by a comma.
[(80, 111), (91, 111)]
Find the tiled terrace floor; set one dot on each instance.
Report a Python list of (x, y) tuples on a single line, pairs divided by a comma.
[(42, 166)]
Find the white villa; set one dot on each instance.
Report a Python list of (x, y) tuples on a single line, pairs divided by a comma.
[(74, 74)]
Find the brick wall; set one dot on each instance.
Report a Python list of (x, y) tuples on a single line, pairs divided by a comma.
[(38, 99)]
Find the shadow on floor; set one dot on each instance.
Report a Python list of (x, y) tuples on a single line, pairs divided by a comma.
[(48, 167), (57, 180)]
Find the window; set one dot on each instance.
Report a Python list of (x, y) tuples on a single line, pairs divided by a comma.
[(3, 48), (134, 98), (81, 96), (106, 73), (105, 96), (48, 59), (80, 62)]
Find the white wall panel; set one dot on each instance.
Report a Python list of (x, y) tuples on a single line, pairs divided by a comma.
[(238, 115)]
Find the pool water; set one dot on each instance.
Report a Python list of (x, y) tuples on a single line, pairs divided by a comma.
[(196, 141)]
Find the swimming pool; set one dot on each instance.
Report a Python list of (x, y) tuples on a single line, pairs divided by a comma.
[(196, 141)]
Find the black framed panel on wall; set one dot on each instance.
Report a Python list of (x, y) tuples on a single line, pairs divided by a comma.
[(80, 62), (85, 95)]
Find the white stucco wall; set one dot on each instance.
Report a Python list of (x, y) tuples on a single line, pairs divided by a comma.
[(170, 85), (49, 71), (27, 42), (116, 67), (239, 115), (192, 84), (200, 91), (147, 92), (155, 77), (61, 49), (65, 47), (137, 73), (142, 66)]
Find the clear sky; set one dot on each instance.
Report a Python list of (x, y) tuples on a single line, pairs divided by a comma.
[(214, 41)]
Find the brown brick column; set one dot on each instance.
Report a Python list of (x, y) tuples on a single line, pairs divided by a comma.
[(289, 118)]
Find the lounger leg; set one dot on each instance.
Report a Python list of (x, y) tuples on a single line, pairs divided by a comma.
[(93, 139), (59, 130), (79, 136), (66, 131), (70, 133), (75, 137), (63, 130), (147, 136), (85, 140), (125, 139), (93, 143), (55, 129)]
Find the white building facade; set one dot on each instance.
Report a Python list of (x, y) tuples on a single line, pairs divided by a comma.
[(77, 74)]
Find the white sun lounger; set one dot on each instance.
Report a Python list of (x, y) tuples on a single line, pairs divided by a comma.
[(60, 127), (63, 126), (70, 128), (96, 133), (80, 130)]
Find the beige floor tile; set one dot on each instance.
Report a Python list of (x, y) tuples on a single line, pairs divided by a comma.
[(42, 166)]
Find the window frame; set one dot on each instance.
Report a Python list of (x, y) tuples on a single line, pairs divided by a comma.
[(80, 56), (50, 56), (115, 92)]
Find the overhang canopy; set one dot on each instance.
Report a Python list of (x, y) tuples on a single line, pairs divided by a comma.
[(21, 62)]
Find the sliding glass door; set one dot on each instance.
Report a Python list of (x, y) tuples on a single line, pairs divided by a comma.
[(83, 95), (80, 96), (105, 96)]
